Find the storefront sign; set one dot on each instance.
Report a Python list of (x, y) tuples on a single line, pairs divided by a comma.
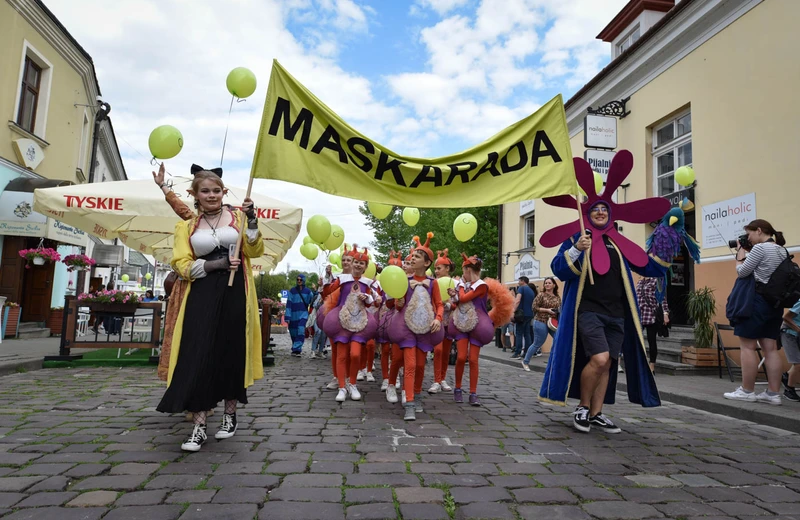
[(600, 161), (18, 218), (526, 206), (527, 266), (28, 152), (679, 196), (723, 221), (600, 132)]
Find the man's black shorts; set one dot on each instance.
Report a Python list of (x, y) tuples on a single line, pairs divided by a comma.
[(600, 333)]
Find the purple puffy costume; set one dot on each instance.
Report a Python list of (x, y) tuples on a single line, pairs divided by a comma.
[(352, 311), (418, 312), (473, 317)]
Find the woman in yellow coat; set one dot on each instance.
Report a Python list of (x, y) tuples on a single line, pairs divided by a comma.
[(216, 344)]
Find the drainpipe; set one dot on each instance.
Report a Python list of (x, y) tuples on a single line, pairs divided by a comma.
[(102, 114), (500, 243)]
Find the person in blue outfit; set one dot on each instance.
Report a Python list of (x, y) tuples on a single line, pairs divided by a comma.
[(297, 304), (524, 301), (598, 322)]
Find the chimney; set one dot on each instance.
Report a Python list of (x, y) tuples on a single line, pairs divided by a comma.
[(636, 18)]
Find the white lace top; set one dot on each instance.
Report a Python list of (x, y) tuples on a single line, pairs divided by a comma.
[(205, 240)]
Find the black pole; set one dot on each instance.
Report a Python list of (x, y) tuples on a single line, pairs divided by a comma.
[(102, 113), (500, 243)]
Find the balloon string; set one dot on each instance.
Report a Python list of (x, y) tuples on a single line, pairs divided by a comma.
[(225, 140)]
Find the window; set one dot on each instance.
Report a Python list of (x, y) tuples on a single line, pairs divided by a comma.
[(672, 148), (530, 235), (629, 40), (29, 95)]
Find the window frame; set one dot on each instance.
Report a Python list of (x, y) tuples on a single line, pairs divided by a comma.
[(673, 145), (26, 88), (529, 235), (45, 90), (625, 43)]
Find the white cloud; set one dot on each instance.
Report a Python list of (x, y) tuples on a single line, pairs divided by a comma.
[(442, 7)]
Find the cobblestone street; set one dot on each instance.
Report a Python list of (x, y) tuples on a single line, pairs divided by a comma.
[(87, 444)]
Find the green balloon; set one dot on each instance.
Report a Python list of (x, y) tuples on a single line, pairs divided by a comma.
[(335, 259), (394, 281), (685, 176), (319, 228), (336, 238), (410, 216), (371, 271), (165, 142), (309, 251), (308, 240), (598, 183), (125, 278), (378, 210), (465, 227), (241, 82), (148, 276)]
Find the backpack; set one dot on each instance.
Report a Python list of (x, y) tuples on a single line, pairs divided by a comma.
[(783, 289)]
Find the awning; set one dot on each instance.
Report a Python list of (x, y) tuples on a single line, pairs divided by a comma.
[(18, 218)]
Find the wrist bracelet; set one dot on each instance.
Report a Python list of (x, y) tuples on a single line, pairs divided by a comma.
[(162, 185)]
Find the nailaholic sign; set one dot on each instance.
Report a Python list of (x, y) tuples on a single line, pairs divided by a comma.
[(600, 132), (724, 221)]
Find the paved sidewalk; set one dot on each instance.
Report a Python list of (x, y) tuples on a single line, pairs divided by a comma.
[(700, 392), (87, 443), (20, 355)]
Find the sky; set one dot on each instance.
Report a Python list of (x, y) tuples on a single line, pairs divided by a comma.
[(424, 77)]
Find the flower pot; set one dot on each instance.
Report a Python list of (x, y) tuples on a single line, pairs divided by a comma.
[(55, 321), (117, 309), (38, 260), (11, 321)]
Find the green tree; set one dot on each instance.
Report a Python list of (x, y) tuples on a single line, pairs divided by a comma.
[(393, 233), (269, 285)]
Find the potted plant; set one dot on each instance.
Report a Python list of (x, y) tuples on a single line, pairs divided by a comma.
[(274, 306), (55, 320), (118, 303), (700, 308), (78, 262), (39, 256), (11, 319)]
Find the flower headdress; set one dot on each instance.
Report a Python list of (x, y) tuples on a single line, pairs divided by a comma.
[(637, 212)]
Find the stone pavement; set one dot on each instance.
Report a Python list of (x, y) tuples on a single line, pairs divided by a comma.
[(87, 444)]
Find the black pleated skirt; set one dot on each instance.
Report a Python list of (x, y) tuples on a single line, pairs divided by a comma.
[(212, 356)]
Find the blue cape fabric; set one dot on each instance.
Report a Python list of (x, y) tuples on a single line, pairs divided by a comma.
[(567, 358)]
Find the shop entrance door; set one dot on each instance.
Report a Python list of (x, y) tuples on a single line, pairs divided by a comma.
[(681, 280)]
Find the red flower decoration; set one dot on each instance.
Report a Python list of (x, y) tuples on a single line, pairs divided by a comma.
[(636, 212)]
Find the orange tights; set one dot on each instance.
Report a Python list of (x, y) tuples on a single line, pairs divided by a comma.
[(413, 359), (348, 359), (441, 358), (369, 356), (474, 352), (397, 363), (386, 352)]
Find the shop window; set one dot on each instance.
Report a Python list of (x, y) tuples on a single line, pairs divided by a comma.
[(530, 236), (34, 91), (672, 148), (629, 40)]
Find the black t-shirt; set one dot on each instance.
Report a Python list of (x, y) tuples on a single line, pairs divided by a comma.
[(607, 294)]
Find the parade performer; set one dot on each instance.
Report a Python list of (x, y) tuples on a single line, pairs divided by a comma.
[(297, 304), (395, 374), (473, 326), (327, 290), (417, 327), (217, 330), (368, 353), (599, 320), (384, 318), (444, 267), (348, 323)]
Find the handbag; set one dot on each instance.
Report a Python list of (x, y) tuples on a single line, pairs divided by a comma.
[(519, 316), (662, 329)]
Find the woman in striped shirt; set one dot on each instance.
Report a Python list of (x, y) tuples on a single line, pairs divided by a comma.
[(764, 324)]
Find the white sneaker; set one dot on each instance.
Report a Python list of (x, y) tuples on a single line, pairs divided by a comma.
[(313, 355), (196, 439), (384, 385), (403, 397), (355, 395), (435, 388), (399, 382), (391, 394), (525, 367), (370, 377), (774, 400), (341, 396), (360, 375), (445, 386), (740, 395), (333, 385)]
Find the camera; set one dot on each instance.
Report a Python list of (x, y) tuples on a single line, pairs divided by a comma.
[(742, 241)]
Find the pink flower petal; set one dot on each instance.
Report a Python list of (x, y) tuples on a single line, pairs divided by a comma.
[(556, 236)]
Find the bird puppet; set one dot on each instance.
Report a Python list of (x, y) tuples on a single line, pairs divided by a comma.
[(670, 234)]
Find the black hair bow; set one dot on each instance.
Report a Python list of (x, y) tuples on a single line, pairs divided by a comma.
[(195, 168)]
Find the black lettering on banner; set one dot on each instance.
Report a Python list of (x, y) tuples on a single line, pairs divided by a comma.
[(425, 176), (282, 113), (330, 139), (462, 170), (384, 165), (490, 166), (366, 164), (549, 150), (523, 158)]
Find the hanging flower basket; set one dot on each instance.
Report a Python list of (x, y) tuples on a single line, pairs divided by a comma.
[(78, 262), (118, 303), (39, 256)]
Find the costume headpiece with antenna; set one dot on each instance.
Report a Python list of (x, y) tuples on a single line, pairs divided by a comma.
[(396, 258), (410, 254), (426, 247), (363, 256), (442, 258), (473, 261)]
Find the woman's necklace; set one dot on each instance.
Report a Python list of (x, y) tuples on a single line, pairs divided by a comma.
[(215, 224)]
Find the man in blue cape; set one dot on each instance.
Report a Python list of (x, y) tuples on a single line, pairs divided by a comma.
[(599, 317), (300, 297)]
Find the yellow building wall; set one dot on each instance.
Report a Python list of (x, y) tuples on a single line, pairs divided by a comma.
[(64, 119), (740, 86)]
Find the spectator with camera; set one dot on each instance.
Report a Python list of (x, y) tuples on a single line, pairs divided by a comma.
[(759, 252)]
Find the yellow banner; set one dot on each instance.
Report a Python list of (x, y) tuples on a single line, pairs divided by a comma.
[(303, 141)]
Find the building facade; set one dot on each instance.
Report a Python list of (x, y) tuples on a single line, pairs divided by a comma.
[(51, 100), (707, 84)]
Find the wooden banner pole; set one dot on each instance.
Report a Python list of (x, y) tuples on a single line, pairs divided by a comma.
[(241, 233), (587, 256)]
